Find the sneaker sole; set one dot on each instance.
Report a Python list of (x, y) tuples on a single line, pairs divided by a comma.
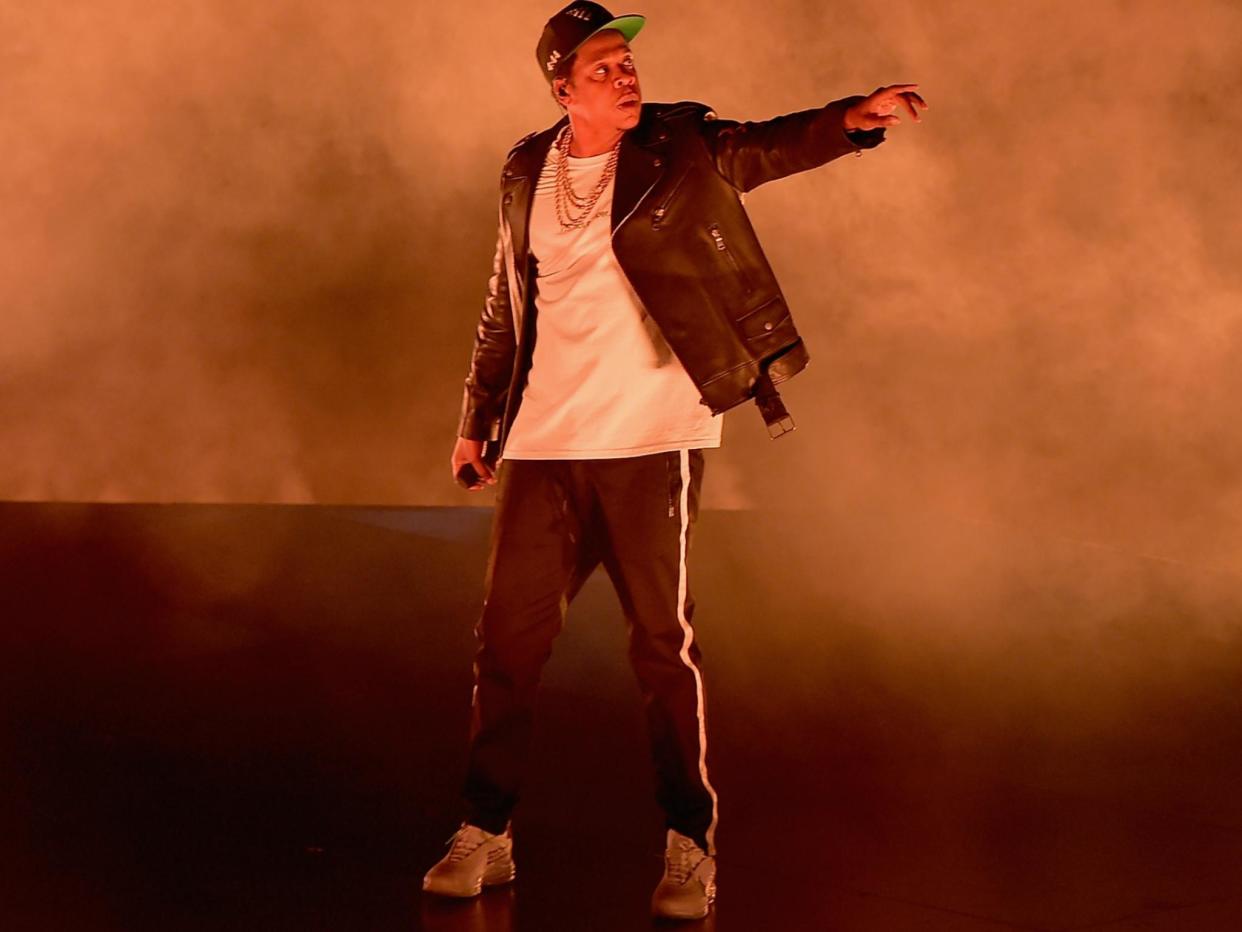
[(672, 914), (465, 893), (667, 913), (503, 877)]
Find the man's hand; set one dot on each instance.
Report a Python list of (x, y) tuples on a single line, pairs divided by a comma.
[(877, 110), (469, 453)]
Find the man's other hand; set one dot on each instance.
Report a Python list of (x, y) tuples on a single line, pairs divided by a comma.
[(470, 453), (876, 110)]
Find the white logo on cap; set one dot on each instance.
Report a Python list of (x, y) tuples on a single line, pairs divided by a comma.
[(553, 59), (579, 11)]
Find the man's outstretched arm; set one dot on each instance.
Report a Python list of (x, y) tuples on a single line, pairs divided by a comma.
[(752, 153)]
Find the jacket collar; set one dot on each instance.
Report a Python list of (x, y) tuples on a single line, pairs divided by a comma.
[(528, 157), (640, 164), (643, 160)]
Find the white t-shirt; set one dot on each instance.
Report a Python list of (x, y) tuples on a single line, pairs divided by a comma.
[(603, 382)]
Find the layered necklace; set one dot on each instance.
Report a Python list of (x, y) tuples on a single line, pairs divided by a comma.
[(574, 211)]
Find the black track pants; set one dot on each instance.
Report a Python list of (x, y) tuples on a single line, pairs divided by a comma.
[(555, 521)]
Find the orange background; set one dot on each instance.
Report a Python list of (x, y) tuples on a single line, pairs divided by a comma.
[(245, 246)]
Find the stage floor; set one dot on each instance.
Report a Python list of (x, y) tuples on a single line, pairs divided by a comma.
[(230, 717)]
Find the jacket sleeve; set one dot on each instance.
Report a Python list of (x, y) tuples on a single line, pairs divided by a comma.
[(491, 362), (752, 153)]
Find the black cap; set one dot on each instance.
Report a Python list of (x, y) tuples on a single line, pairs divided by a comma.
[(573, 25)]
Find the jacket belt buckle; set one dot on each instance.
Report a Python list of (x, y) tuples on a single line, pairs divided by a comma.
[(775, 417), (780, 426)]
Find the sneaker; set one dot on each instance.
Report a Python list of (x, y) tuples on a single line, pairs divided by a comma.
[(476, 859), (688, 887)]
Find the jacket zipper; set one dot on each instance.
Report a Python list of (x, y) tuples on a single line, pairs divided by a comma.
[(722, 246), (657, 215), (613, 235)]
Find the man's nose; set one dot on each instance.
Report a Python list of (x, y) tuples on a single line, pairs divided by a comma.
[(624, 79)]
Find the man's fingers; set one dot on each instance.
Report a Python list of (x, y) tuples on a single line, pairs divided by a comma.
[(885, 100), (482, 476), (474, 475), (893, 91), (484, 471)]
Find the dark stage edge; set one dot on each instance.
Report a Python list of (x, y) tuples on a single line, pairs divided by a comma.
[(228, 717)]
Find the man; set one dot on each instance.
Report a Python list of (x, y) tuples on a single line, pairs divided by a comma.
[(629, 306)]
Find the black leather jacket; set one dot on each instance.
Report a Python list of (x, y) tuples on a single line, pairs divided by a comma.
[(683, 239)]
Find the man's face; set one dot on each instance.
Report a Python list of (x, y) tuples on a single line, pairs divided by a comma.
[(603, 89)]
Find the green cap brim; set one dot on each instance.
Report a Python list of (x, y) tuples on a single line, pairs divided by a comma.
[(628, 26)]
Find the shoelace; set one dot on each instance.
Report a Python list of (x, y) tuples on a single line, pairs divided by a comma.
[(680, 866), (462, 847)]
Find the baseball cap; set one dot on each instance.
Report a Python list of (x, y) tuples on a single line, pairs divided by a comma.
[(573, 25)]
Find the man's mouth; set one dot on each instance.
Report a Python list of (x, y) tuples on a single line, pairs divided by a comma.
[(628, 100)]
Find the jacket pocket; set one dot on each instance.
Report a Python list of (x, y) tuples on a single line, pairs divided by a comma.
[(722, 248), (769, 321)]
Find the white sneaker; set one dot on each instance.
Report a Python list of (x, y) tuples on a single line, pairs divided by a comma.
[(688, 887), (476, 859)]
